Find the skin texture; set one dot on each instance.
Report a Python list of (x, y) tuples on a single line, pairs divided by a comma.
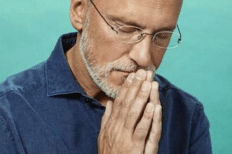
[(105, 47), (126, 122), (101, 74), (132, 121)]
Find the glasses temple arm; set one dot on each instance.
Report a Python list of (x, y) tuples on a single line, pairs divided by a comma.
[(102, 16), (180, 34)]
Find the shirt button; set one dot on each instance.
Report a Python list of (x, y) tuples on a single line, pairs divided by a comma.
[(88, 101)]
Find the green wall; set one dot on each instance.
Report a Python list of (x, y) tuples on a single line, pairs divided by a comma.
[(201, 65)]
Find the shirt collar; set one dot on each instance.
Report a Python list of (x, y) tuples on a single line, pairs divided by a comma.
[(60, 79)]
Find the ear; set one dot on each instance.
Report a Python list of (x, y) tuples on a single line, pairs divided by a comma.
[(77, 13)]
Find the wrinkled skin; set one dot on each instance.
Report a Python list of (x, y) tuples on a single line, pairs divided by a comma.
[(126, 125)]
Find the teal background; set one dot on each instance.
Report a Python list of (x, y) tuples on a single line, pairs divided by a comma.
[(201, 65)]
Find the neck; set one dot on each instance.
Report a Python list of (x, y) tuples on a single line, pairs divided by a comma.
[(80, 72)]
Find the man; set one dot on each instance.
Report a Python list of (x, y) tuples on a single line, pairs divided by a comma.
[(108, 68)]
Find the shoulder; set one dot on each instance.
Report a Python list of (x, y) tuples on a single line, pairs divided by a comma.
[(183, 119), (177, 98), (14, 93), (167, 86), (16, 88), (25, 81)]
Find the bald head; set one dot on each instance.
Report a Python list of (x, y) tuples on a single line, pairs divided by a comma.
[(106, 57)]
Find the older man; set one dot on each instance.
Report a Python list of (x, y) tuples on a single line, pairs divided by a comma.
[(108, 68)]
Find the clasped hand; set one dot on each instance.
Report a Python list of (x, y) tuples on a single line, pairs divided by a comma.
[(132, 123)]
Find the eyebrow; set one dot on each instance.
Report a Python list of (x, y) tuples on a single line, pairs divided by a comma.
[(123, 20), (132, 23)]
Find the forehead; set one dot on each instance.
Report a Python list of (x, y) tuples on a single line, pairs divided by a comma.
[(148, 12)]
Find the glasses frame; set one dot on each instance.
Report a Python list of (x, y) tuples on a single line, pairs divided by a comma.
[(142, 34)]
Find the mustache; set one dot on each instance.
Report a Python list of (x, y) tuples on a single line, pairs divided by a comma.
[(128, 67)]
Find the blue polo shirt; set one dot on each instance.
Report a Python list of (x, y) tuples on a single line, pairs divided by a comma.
[(43, 110)]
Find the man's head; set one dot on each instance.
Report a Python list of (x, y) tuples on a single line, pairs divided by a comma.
[(108, 59)]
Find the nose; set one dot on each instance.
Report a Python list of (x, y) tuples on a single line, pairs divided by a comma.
[(141, 52)]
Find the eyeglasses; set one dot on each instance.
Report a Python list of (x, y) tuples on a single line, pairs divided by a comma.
[(132, 34)]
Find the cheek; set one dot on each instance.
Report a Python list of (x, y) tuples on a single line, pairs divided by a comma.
[(157, 57), (106, 46), (104, 42)]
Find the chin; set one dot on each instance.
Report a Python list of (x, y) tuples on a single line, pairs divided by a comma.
[(112, 85)]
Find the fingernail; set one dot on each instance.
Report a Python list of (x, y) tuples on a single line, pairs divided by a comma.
[(130, 77), (155, 85), (146, 85), (158, 108), (140, 74)]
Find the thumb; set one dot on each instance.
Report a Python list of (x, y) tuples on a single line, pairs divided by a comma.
[(107, 114)]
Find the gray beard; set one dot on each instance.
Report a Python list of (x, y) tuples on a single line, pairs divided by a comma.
[(100, 74)]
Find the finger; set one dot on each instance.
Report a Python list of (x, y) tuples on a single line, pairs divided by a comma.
[(155, 133), (117, 124), (131, 95), (107, 114), (154, 96), (149, 76), (122, 93), (141, 130), (112, 127), (137, 108)]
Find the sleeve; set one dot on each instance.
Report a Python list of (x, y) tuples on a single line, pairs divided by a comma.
[(200, 141), (8, 137), (7, 145)]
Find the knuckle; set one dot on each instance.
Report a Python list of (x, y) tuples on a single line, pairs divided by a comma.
[(157, 122), (127, 84), (150, 141), (136, 82), (131, 118), (154, 122), (140, 129), (132, 114), (147, 115), (113, 117), (109, 140), (127, 124), (118, 101), (107, 127), (155, 132), (114, 132), (108, 134), (140, 135), (126, 103), (142, 96)]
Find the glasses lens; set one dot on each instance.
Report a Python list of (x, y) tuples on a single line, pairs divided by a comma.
[(167, 39), (164, 39), (129, 34)]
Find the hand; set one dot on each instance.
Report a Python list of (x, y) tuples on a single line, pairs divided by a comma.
[(155, 130), (122, 131), (155, 133)]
